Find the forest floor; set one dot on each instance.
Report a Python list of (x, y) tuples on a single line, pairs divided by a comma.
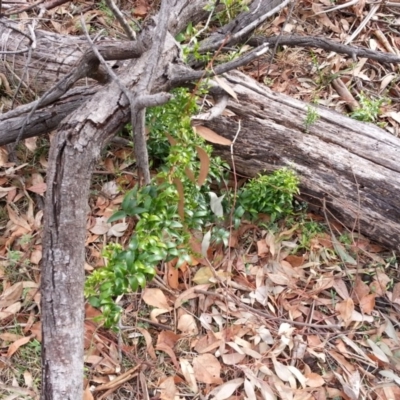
[(290, 313)]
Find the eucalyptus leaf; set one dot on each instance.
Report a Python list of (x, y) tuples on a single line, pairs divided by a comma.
[(216, 204), (205, 244)]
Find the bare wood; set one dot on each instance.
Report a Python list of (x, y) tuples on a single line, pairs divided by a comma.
[(328, 45)]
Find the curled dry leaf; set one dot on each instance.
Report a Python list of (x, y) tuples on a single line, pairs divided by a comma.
[(262, 248), (12, 294), (378, 352), (149, 342), (117, 230), (172, 276), (168, 337), (233, 358), (156, 312), (39, 188), (166, 349), (367, 303), (284, 373), (249, 390), (205, 244), (10, 310), (101, 226), (87, 394)]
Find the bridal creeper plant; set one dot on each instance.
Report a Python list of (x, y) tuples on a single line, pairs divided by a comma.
[(161, 234)]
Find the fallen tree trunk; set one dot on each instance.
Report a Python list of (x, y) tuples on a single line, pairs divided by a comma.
[(347, 166), (349, 170), (43, 120)]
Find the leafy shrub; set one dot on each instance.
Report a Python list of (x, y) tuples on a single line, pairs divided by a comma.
[(270, 194), (158, 236), (369, 109), (161, 234)]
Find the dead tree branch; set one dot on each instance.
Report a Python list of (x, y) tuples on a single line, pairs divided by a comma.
[(328, 45)]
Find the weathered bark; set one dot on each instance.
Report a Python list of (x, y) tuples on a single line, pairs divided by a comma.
[(74, 150), (57, 55), (43, 120), (349, 167)]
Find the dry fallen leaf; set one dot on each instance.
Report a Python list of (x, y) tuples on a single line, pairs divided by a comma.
[(222, 82), (211, 136), (314, 380), (17, 344), (101, 226), (149, 343), (207, 369), (168, 338), (204, 165), (345, 310), (187, 324), (367, 303), (87, 394), (226, 390), (155, 298), (168, 389), (189, 294), (188, 373)]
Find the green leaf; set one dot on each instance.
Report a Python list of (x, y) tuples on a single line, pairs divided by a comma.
[(133, 283), (141, 280), (153, 258), (180, 37), (129, 257), (175, 225), (130, 199), (340, 250), (134, 243), (154, 218), (149, 271), (119, 286), (94, 301), (105, 297), (132, 211), (106, 286), (116, 216), (120, 270)]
